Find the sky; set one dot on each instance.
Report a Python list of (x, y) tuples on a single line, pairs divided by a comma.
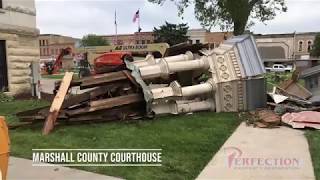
[(77, 18)]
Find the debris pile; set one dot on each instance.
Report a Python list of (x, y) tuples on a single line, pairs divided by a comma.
[(107, 97), (302, 119), (293, 102), (226, 79), (234, 80)]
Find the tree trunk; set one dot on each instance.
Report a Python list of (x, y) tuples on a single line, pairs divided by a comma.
[(239, 27)]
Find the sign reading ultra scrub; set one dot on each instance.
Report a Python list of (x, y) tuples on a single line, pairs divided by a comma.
[(132, 47), (97, 157)]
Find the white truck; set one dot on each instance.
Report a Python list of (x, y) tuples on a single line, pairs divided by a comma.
[(279, 68)]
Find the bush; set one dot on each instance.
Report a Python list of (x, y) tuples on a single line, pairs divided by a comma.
[(5, 98)]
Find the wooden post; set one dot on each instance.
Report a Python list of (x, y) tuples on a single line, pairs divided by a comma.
[(57, 103)]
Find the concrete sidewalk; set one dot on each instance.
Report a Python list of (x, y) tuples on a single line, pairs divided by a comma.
[(22, 169), (262, 154)]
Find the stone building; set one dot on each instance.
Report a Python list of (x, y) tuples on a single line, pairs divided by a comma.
[(287, 48), (19, 45), (52, 44)]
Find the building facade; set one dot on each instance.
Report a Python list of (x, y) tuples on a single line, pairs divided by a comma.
[(52, 44), (19, 45), (130, 39), (203, 36), (287, 48), (196, 36)]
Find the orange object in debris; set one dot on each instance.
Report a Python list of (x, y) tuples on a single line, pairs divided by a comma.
[(4, 147)]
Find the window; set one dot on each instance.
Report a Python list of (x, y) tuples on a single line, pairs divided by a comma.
[(190, 41), (148, 41), (300, 46), (309, 46), (197, 41), (0, 4), (137, 42), (143, 42)]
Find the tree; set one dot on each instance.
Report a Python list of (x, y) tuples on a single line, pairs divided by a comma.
[(228, 14), (93, 40), (316, 47), (171, 33)]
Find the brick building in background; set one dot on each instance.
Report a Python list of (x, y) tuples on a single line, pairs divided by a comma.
[(195, 36), (203, 36), (52, 44), (130, 39)]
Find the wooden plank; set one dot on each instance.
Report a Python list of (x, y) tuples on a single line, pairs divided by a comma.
[(102, 80), (107, 104), (57, 103)]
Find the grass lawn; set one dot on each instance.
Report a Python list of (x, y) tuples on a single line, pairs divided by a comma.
[(313, 137), (53, 76), (58, 76), (188, 142)]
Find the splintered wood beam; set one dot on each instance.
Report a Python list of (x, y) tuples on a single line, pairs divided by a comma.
[(57, 103), (107, 104), (103, 79)]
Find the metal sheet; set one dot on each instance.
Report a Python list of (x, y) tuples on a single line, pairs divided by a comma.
[(256, 93), (250, 59)]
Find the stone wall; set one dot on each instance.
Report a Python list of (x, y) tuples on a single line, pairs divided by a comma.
[(22, 49)]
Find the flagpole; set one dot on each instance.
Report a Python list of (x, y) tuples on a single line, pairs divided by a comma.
[(139, 36), (139, 21), (116, 26)]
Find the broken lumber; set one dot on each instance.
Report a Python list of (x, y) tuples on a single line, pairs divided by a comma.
[(57, 103), (107, 104)]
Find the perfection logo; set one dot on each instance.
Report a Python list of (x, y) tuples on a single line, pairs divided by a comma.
[(237, 159), (97, 157)]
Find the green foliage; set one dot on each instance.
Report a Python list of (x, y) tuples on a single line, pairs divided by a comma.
[(313, 137), (228, 14), (316, 47), (5, 98), (93, 40), (171, 33), (188, 142)]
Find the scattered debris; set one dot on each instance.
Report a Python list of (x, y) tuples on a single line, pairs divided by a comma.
[(302, 119), (264, 119), (107, 97), (277, 98)]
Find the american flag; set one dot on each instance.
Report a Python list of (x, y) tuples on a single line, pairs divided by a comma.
[(136, 16)]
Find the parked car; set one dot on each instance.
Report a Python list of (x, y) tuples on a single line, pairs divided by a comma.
[(279, 68)]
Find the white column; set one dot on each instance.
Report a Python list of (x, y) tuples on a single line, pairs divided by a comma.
[(150, 60), (164, 68), (175, 90)]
